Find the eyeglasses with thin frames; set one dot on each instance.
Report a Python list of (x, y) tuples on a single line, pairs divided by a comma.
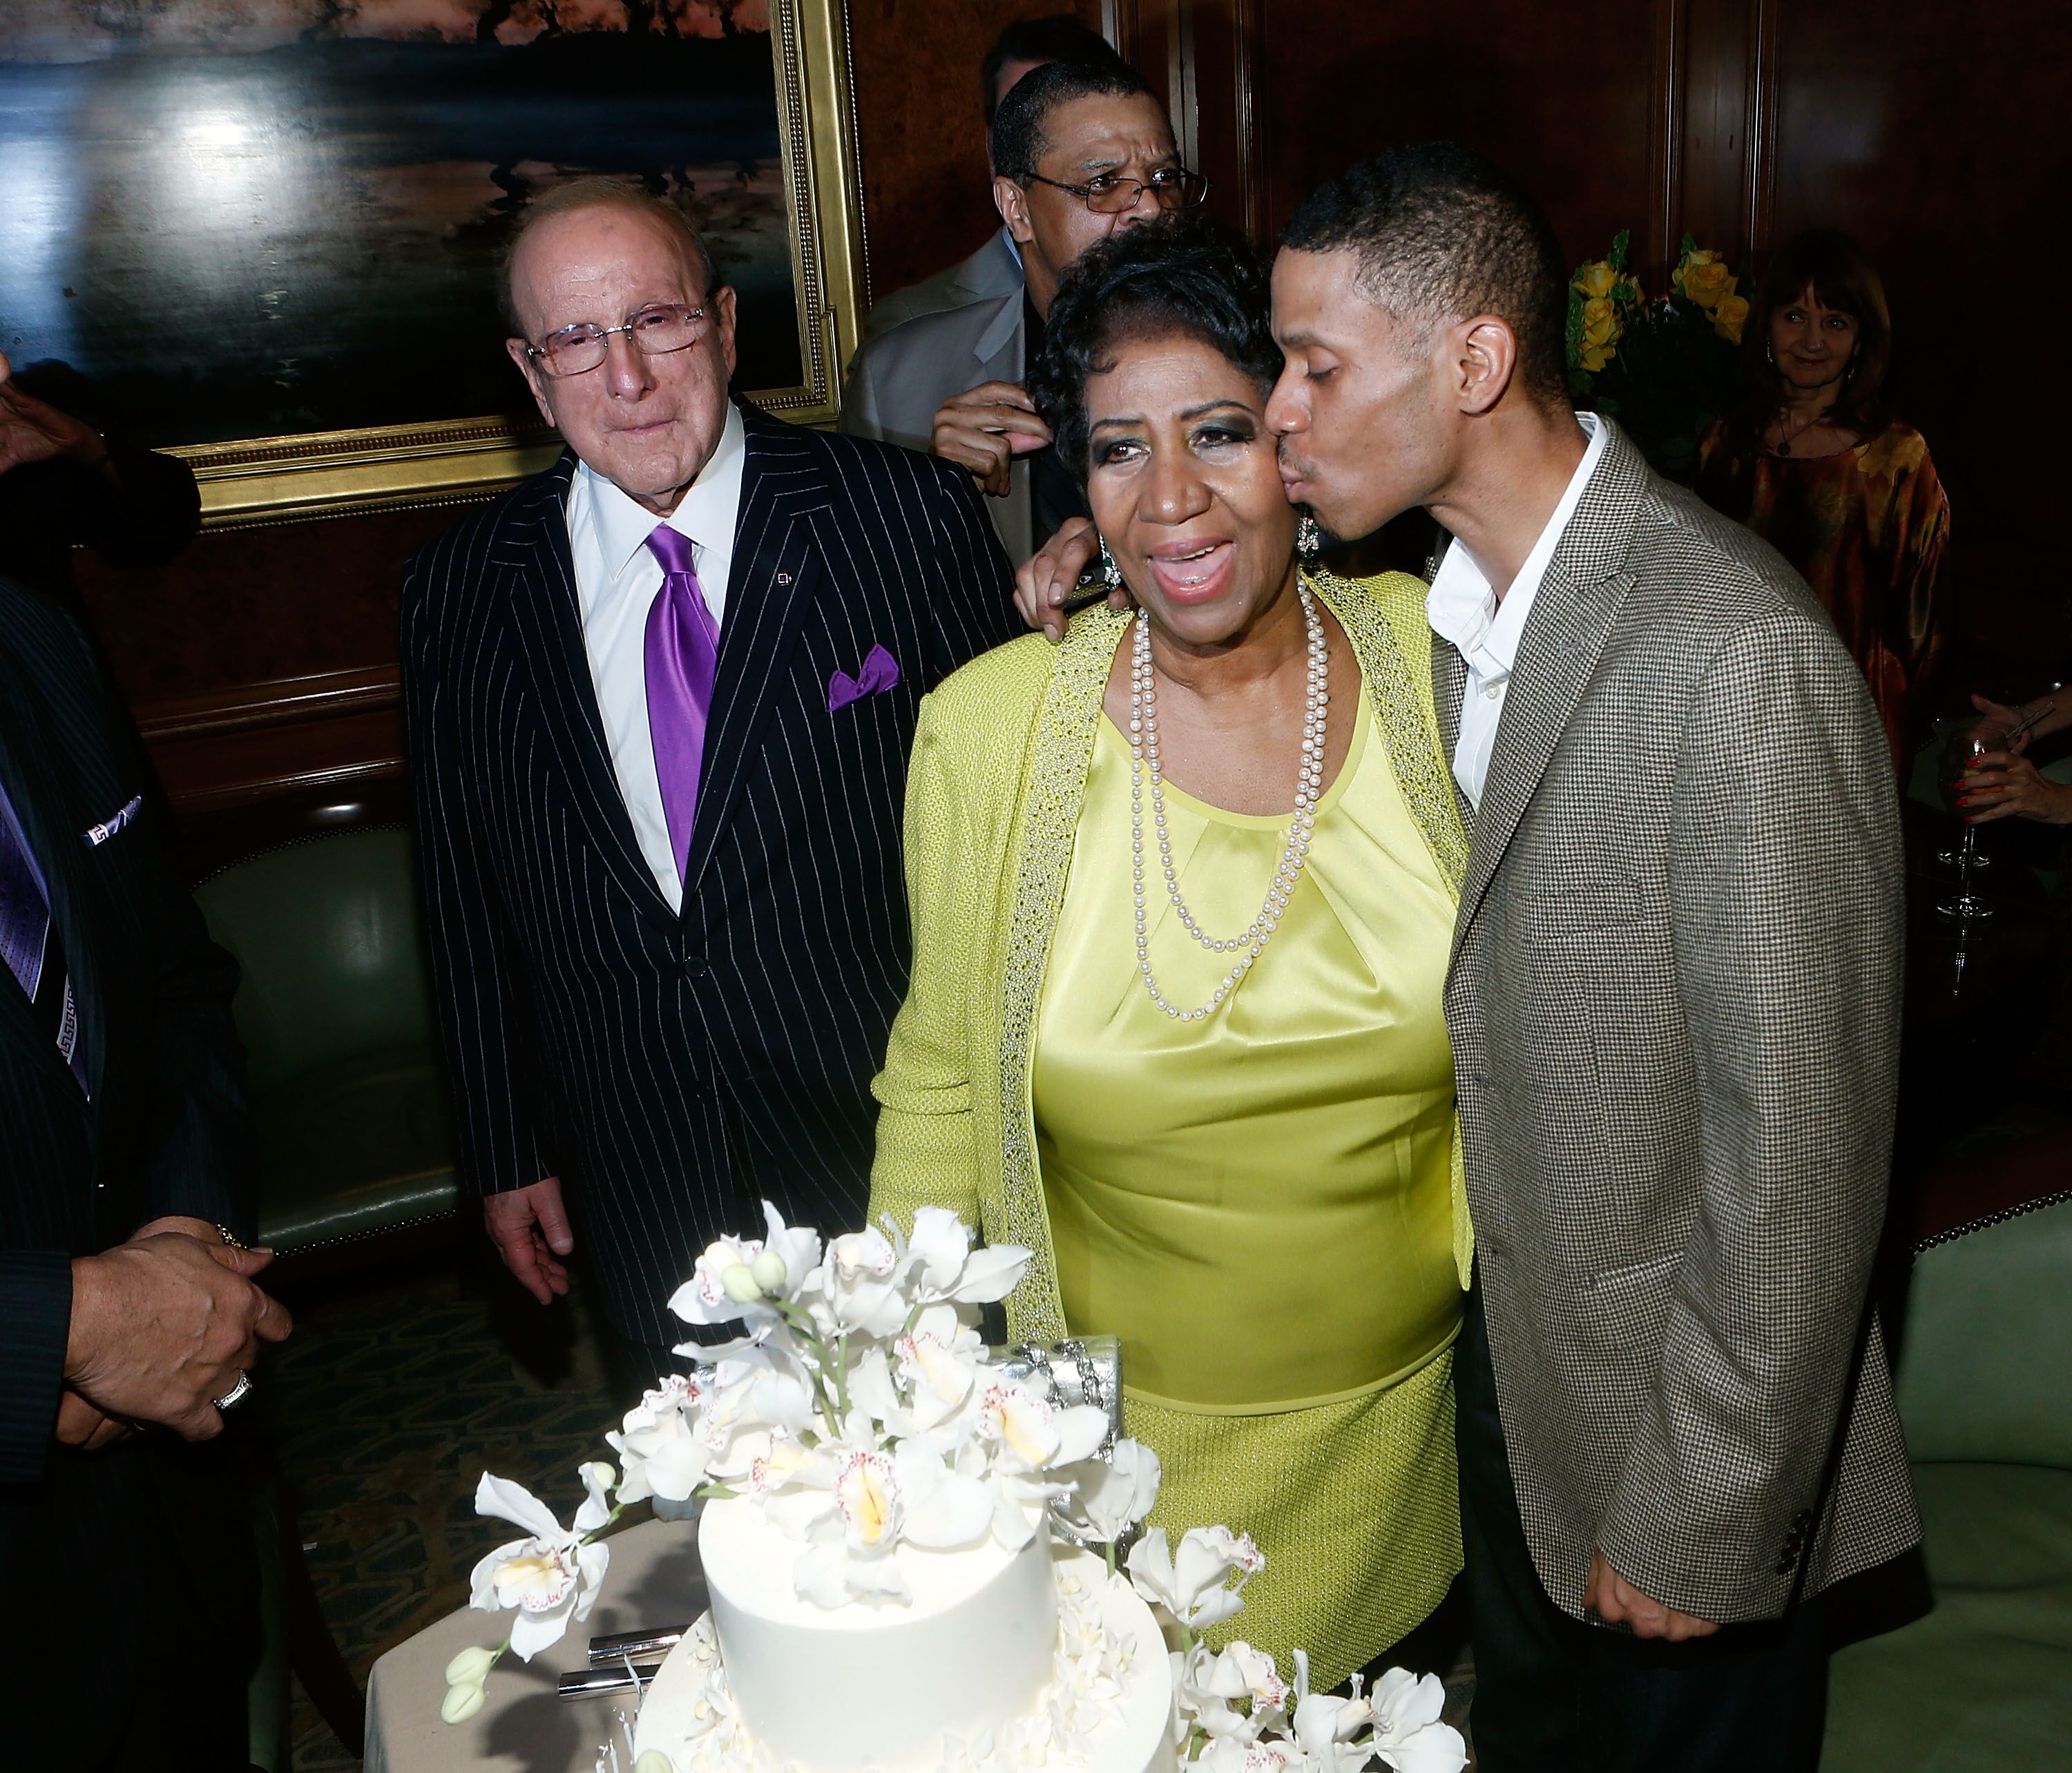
[(654, 332), (1108, 193)]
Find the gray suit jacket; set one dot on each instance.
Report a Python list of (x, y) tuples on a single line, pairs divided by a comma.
[(905, 371), (1674, 1007)]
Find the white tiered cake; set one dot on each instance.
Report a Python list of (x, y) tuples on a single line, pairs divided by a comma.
[(978, 1653)]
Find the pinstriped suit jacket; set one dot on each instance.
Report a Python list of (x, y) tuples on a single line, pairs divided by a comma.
[(1674, 1008), (674, 1070)]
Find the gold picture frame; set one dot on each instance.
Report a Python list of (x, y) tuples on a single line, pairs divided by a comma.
[(327, 474)]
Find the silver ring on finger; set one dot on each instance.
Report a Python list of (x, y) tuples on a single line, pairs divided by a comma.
[(237, 1393)]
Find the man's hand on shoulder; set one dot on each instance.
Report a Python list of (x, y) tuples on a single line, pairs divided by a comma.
[(530, 1229), (984, 428), (1050, 576), (1616, 1601), (160, 1326)]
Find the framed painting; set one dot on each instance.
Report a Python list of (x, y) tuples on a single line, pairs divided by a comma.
[(265, 234)]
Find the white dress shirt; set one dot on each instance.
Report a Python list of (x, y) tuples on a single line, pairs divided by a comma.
[(1464, 610), (617, 579)]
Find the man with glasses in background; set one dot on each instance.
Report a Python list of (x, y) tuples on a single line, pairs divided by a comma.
[(659, 700), (1023, 46), (1079, 149)]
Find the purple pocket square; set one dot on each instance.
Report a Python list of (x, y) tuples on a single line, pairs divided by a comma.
[(881, 672)]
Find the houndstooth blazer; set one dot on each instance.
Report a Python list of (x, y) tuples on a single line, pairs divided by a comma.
[(1675, 1003)]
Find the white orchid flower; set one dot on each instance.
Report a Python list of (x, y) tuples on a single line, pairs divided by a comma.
[(1243, 1673), (1203, 1695), (872, 1390), (1031, 1435), (856, 1289), (661, 1453), (944, 1510), (938, 1362), (1407, 1734), (738, 1277), (1233, 1754), (1192, 1585), (1019, 1444), (551, 1578), (1112, 1495), (853, 1541), (945, 1267)]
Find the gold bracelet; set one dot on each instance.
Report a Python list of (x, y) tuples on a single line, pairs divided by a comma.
[(229, 1237)]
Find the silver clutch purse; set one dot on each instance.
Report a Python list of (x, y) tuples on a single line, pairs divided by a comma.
[(1079, 1370)]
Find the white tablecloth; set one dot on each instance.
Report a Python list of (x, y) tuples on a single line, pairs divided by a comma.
[(654, 1581)]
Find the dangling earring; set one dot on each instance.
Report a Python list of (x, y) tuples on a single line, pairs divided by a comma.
[(1309, 538), (1110, 572)]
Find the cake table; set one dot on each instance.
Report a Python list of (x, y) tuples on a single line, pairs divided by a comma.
[(526, 1728)]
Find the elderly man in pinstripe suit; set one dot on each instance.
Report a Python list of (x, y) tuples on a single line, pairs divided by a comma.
[(659, 700)]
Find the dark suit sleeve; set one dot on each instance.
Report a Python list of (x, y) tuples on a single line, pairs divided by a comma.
[(200, 1159), (197, 1157), (1785, 875), (975, 608), (149, 517), (35, 1317), (471, 983)]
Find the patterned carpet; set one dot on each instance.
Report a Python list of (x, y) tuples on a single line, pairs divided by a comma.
[(391, 1396), (396, 1389)]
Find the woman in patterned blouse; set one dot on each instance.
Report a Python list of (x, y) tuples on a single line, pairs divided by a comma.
[(1814, 465)]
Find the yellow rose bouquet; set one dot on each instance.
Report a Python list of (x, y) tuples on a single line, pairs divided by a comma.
[(1664, 369), (1600, 295)]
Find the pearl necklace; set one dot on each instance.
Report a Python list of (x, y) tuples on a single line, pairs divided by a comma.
[(1144, 749)]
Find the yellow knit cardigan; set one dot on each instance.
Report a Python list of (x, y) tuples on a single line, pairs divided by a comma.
[(993, 795)]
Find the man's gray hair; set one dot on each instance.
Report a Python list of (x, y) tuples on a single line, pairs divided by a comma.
[(600, 193)]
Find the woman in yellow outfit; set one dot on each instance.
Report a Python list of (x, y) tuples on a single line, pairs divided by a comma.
[(1225, 1123)]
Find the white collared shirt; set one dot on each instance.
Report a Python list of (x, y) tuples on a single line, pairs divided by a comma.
[(1463, 609), (617, 579)]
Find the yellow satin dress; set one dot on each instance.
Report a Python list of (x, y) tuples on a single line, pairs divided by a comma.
[(1260, 1204)]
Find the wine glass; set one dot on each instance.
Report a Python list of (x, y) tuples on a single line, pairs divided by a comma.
[(1960, 752), (1949, 731)]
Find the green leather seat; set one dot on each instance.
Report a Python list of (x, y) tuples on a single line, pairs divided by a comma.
[(1985, 1387), (354, 1135)]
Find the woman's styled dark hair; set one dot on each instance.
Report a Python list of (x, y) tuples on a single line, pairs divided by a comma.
[(1835, 269), (1187, 275)]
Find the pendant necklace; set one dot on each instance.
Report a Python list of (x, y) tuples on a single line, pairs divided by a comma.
[(1143, 750), (1784, 442)]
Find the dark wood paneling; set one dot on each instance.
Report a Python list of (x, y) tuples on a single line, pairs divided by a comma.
[(262, 664), (921, 133), (1565, 96), (1935, 134)]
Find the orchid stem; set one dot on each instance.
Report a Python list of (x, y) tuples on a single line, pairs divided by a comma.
[(617, 1509)]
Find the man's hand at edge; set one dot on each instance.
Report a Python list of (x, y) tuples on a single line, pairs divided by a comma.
[(80, 1423), (1616, 1601), (984, 428), (160, 1326), (530, 1229)]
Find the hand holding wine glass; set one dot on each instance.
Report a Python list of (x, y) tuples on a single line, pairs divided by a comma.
[(1962, 751)]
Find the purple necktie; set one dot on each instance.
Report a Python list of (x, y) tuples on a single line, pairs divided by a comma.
[(683, 656), (29, 945)]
